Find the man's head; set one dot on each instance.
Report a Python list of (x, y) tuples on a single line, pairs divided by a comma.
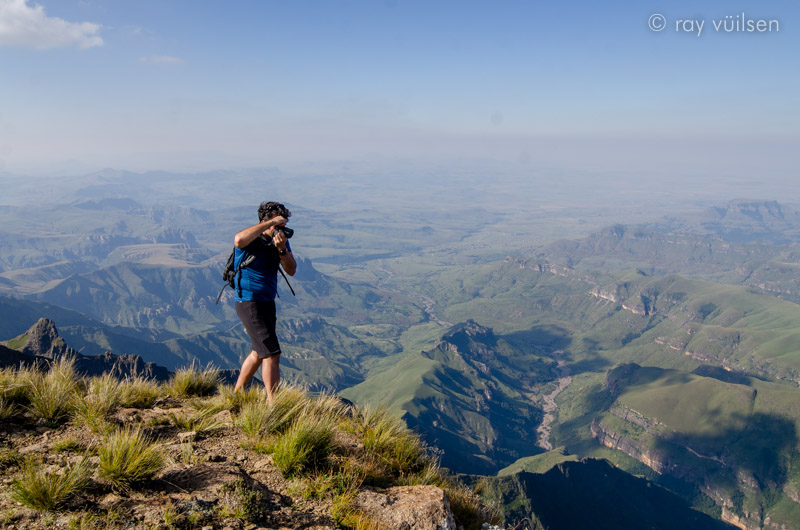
[(268, 210)]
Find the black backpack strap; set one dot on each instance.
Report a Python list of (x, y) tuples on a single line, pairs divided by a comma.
[(237, 275)]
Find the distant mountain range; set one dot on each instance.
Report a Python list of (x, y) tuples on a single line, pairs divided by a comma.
[(41, 344), (670, 349)]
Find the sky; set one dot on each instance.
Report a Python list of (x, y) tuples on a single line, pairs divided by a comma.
[(604, 86)]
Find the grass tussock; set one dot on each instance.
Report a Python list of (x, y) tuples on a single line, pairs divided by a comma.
[(40, 489), (259, 419), (306, 445), (103, 396), (388, 438), (128, 457), (15, 384), (201, 422), (234, 401), (139, 393), (193, 381), (52, 395), (331, 451)]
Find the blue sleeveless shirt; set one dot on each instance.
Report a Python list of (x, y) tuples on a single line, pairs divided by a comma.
[(258, 281)]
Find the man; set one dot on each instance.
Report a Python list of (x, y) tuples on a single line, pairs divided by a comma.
[(256, 287)]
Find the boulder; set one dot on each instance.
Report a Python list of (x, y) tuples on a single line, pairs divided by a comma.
[(408, 508)]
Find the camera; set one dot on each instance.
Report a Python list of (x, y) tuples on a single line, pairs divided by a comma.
[(288, 232)]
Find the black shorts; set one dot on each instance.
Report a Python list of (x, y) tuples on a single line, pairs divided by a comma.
[(259, 322)]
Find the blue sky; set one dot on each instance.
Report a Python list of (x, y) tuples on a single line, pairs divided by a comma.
[(152, 82)]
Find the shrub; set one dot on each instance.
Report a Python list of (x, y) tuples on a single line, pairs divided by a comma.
[(241, 501), (139, 393), (52, 395), (42, 490), (127, 458), (190, 381), (306, 445)]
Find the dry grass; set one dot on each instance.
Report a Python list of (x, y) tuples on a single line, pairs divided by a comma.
[(128, 457), (52, 395), (258, 419), (40, 489), (103, 396), (192, 381), (139, 393)]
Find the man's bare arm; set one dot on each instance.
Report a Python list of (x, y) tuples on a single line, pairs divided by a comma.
[(249, 234)]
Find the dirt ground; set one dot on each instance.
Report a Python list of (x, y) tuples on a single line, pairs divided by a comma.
[(209, 480)]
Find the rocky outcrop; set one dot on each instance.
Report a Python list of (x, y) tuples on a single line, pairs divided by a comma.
[(120, 366), (639, 451), (42, 340), (41, 344), (408, 508)]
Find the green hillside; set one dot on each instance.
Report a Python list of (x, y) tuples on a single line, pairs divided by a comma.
[(736, 442), (473, 396)]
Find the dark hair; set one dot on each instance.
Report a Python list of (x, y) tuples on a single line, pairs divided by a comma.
[(268, 210)]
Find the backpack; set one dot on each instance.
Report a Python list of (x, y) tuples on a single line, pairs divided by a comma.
[(229, 273)]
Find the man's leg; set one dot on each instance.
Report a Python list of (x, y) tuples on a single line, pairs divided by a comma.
[(249, 367), (271, 373)]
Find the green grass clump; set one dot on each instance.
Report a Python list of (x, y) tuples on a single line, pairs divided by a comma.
[(103, 396), (67, 445), (201, 422), (127, 458), (306, 445), (53, 394), (191, 381), (258, 419), (39, 489), (15, 384), (387, 437), (234, 401), (139, 393)]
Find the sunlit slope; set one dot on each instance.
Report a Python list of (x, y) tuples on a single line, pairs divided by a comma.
[(737, 442), (472, 395), (670, 321)]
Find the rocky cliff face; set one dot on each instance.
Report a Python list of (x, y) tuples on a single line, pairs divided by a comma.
[(42, 344), (637, 447)]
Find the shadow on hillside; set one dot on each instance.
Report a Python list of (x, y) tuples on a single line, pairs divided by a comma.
[(548, 336), (598, 364), (594, 494), (756, 445), (719, 373)]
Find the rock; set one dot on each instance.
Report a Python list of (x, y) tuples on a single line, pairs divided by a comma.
[(408, 508)]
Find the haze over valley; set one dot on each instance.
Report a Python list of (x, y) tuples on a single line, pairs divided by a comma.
[(513, 329)]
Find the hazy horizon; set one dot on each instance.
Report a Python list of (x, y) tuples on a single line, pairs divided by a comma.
[(587, 89)]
